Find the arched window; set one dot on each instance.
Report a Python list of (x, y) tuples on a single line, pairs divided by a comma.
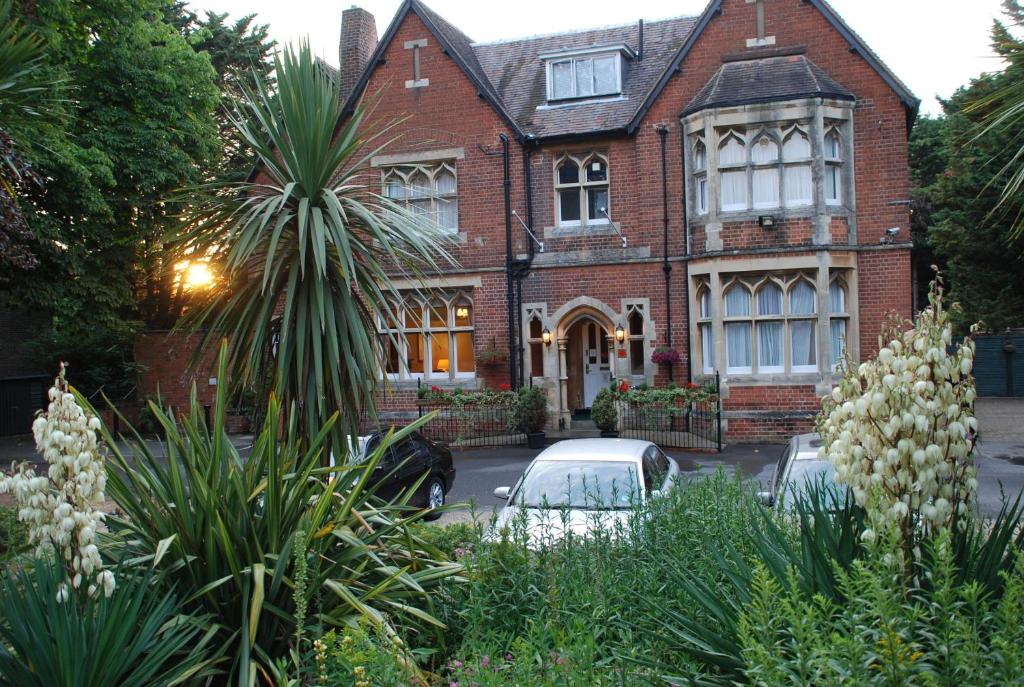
[(535, 334), (803, 300), (635, 324), (581, 187), (428, 190), (700, 171), (764, 159), (770, 328), (796, 156), (839, 318), (833, 168), (738, 340), (429, 339), (707, 345), (732, 172)]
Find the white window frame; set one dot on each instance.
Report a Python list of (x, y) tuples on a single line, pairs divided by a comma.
[(394, 332), (738, 319), (705, 328), (583, 186), (833, 165), (811, 317), (771, 165), (700, 174), (404, 173), (734, 167), (839, 316), (573, 60), (761, 318), (797, 162)]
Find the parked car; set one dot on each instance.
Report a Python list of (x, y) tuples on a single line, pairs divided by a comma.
[(405, 462), (583, 485), (798, 468)]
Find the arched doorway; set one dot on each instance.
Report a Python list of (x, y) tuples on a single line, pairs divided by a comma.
[(588, 354)]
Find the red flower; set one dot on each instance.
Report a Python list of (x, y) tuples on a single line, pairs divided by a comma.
[(691, 385), (436, 389), (624, 386), (505, 387)]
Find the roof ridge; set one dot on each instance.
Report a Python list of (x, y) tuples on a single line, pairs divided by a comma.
[(574, 32)]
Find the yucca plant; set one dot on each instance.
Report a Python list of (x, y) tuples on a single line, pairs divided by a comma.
[(307, 249), (137, 636), (224, 526)]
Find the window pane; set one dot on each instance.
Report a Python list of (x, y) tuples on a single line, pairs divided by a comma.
[(707, 347), (537, 359), (438, 316), (769, 345), (421, 208), (705, 304), (561, 78), (702, 194), (415, 353), (414, 316), (802, 332), (569, 205), (737, 301), (597, 203), (737, 345), (832, 146), (390, 356), (700, 156), (636, 323), (395, 188), (584, 77), (837, 297), (764, 150), (636, 356), (465, 356), (536, 330), (440, 356), (769, 300), (732, 152), (445, 183), (796, 147), (838, 342), (832, 183), (734, 190), (766, 188), (597, 170), (802, 299), (605, 80), (568, 173), (463, 315), (448, 214), (798, 185), (420, 185)]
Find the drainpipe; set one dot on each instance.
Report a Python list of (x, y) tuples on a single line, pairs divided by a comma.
[(507, 187), (686, 248), (666, 267)]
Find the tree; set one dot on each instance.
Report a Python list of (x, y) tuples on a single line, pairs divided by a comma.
[(306, 250)]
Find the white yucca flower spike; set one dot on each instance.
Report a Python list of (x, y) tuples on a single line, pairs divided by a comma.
[(62, 508)]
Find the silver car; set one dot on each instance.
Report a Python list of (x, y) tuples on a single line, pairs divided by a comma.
[(798, 468), (583, 485)]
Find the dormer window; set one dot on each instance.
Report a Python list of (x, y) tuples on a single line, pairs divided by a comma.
[(584, 74)]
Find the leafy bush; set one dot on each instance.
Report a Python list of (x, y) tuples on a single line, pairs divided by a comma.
[(13, 534), (529, 411), (603, 411), (224, 527), (361, 656), (137, 636)]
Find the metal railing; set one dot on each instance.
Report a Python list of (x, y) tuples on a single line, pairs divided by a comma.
[(470, 425), (687, 425)]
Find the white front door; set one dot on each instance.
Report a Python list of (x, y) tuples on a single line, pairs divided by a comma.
[(596, 368)]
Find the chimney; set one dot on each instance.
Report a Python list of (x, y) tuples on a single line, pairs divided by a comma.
[(358, 40)]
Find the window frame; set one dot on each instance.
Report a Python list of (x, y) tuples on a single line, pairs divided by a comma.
[(811, 317), (640, 310), (838, 279), (396, 333), (833, 165), (405, 173), (573, 60), (583, 187), (705, 328), (788, 163), (700, 174)]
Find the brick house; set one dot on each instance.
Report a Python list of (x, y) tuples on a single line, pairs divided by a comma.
[(733, 186)]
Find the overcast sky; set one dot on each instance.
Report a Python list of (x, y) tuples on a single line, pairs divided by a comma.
[(932, 45)]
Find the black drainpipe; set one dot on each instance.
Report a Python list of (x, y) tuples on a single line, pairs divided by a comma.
[(507, 186), (666, 267), (686, 247)]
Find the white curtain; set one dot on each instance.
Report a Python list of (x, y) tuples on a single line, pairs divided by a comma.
[(838, 342), (766, 188), (802, 299), (604, 75), (769, 345), (833, 185), (737, 301), (732, 152), (707, 347), (798, 185), (734, 190), (837, 297), (796, 147), (764, 150), (802, 332), (705, 304), (769, 300), (738, 353)]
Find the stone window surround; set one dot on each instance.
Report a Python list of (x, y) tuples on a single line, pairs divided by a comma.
[(433, 198), (711, 126), (824, 265)]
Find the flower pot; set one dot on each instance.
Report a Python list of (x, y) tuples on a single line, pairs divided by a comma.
[(610, 434), (535, 439)]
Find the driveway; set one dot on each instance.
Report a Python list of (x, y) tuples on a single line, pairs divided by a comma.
[(1001, 450)]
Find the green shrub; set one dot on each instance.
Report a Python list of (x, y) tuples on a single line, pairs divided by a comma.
[(529, 411), (363, 656), (137, 636), (223, 528), (603, 411), (13, 534)]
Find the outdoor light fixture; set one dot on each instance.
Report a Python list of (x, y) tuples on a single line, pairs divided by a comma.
[(766, 221), (620, 334), (545, 336)]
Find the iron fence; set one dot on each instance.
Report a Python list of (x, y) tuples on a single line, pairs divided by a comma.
[(470, 425), (685, 424)]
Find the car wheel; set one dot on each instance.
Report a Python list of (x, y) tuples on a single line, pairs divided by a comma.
[(435, 496)]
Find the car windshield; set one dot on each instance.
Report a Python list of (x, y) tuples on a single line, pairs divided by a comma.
[(580, 484), (808, 473)]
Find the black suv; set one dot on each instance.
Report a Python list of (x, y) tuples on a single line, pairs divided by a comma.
[(405, 462)]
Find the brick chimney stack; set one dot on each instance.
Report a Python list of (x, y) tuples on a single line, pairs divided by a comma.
[(358, 39)]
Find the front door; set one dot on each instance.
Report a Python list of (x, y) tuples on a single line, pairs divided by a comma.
[(596, 367)]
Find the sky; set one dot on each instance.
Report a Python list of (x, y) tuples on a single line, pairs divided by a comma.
[(934, 46)]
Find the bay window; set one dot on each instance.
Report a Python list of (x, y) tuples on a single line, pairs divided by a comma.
[(429, 190), (429, 338)]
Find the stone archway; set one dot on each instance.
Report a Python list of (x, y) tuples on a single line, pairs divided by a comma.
[(585, 331)]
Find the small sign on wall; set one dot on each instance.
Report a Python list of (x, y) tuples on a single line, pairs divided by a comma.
[(213, 381)]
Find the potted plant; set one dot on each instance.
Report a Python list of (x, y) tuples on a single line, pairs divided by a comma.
[(663, 355), (530, 415), (490, 355), (604, 414)]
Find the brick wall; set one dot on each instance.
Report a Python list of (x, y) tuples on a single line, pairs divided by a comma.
[(163, 358)]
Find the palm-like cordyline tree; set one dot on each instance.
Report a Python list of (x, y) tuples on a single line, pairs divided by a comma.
[(306, 248)]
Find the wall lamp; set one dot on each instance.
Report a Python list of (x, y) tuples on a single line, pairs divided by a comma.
[(620, 334), (545, 336)]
